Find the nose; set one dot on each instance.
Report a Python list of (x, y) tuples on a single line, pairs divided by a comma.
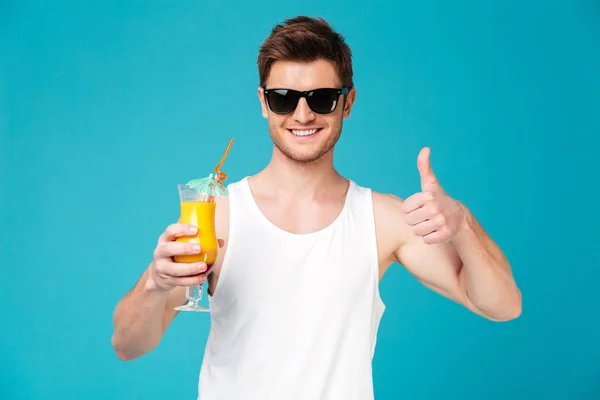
[(303, 114)]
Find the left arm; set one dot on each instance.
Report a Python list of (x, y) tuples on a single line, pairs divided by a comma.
[(449, 251), (469, 269), (486, 273)]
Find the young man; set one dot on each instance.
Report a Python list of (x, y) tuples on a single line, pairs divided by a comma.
[(295, 305)]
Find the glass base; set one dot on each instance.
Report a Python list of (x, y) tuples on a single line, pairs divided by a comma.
[(192, 306)]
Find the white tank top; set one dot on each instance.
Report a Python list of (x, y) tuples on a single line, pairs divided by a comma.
[(294, 316)]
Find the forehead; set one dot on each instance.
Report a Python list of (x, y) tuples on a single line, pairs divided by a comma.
[(303, 75)]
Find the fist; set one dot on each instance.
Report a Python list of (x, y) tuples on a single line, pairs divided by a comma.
[(432, 214), (165, 273)]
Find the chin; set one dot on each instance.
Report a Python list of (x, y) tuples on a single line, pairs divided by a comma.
[(303, 153), (305, 158), (306, 148)]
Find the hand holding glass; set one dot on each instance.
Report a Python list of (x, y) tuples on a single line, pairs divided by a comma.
[(198, 207)]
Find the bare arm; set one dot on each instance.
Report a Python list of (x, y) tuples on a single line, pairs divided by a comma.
[(143, 315), (486, 273), (440, 242), (469, 269)]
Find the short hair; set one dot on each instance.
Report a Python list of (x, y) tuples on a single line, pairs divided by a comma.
[(307, 39)]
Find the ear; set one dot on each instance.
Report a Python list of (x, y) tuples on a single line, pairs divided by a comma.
[(349, 102), (263, 105)]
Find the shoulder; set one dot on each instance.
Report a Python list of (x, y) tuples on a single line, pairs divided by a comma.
[(390, 226), (387, 202), (222, 214), (385, 205), (387, 209), (223, 202), (224, 206)]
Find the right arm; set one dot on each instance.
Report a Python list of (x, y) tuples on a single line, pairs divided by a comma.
[(143, 315)]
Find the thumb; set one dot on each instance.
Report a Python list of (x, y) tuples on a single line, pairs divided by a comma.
[(428, 179)]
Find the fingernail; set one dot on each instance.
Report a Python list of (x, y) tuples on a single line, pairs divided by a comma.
[(196, 248), (201, 267), (193, 229)]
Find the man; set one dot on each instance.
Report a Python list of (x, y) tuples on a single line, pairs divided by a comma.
[(294, 297)]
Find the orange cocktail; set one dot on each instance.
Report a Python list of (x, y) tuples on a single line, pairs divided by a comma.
[(202, 215)]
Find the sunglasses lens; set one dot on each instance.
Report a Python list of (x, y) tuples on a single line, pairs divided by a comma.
[(322, 101), (282, 101)]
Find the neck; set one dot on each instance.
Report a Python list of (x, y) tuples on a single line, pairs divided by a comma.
[(299, 179)]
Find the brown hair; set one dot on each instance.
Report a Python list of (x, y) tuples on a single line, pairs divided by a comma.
[(305, 39)]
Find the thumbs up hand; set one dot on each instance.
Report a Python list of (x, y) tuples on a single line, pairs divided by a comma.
[(432, 214)]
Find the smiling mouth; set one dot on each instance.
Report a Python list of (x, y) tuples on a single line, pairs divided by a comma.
[(305, 132)]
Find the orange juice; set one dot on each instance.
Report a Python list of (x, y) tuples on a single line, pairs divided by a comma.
[(201, 214)]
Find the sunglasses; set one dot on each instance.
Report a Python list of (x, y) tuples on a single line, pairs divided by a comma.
[(321, 101)]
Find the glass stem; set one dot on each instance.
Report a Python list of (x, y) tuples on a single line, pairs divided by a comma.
[(194, 294)]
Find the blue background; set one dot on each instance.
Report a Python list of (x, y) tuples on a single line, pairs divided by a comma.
[(106, 106)]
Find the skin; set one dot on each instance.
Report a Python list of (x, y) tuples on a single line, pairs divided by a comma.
[(435, 237)]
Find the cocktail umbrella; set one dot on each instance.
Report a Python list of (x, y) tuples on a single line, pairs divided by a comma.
[(212, 186)]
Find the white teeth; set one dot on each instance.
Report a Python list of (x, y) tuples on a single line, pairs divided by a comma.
[(305, 132)]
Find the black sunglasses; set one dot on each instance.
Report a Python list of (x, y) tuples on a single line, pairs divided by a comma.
[(321, 101)]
